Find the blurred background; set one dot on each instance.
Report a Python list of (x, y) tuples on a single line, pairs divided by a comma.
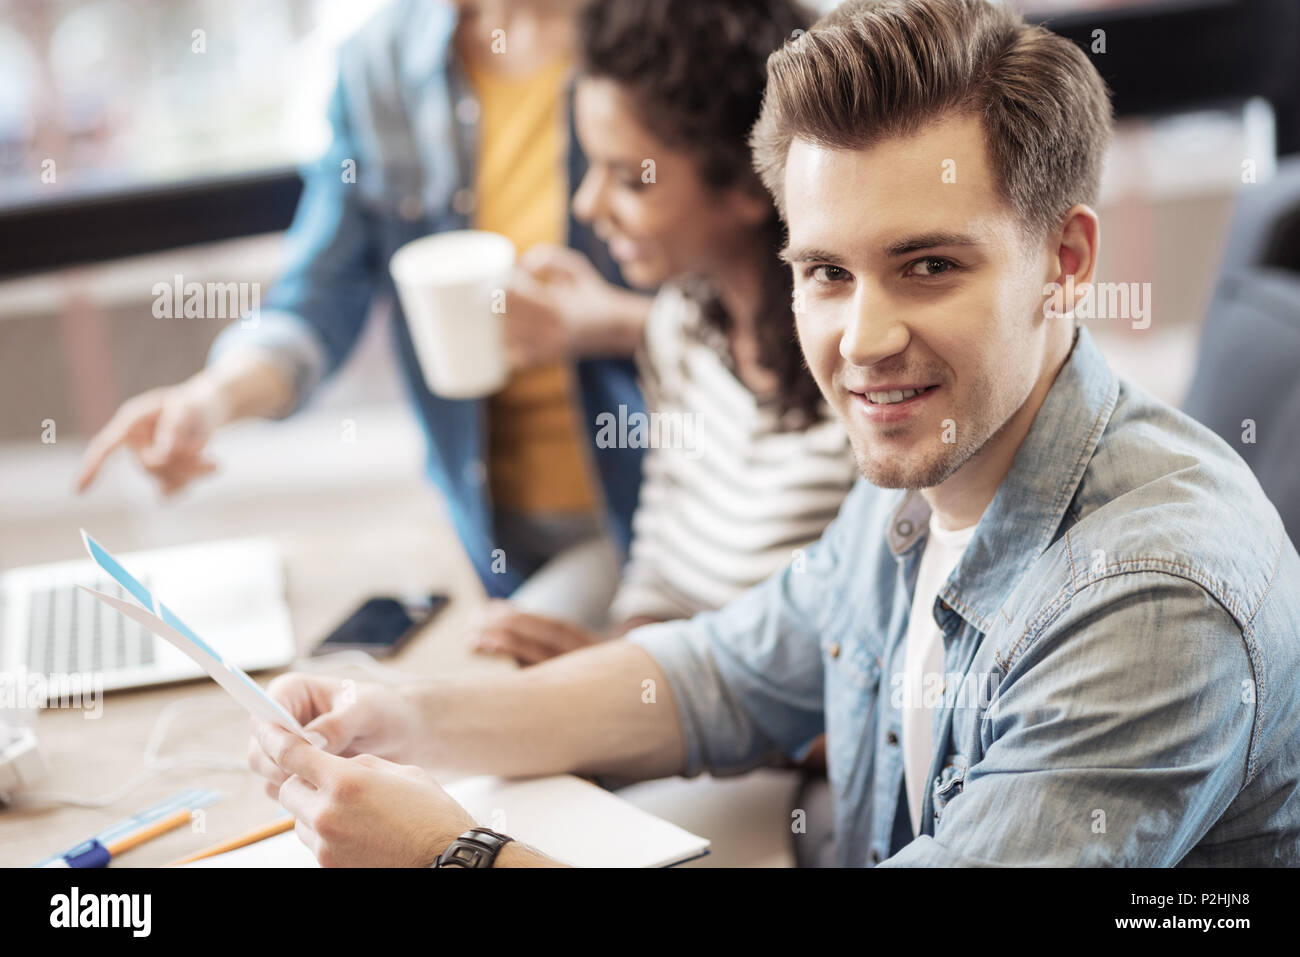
[(141, 139)]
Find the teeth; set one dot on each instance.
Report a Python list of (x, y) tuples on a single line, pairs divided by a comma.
[(888, 398)]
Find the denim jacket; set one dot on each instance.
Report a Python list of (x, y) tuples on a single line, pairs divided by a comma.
[(1121, 656), (405, 120)]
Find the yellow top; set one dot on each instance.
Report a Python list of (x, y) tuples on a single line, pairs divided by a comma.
[(535, 459)]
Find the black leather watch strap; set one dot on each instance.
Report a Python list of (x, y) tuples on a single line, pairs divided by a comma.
[(477, 847)]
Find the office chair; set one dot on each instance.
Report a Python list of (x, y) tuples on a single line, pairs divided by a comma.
[(1248, 366)]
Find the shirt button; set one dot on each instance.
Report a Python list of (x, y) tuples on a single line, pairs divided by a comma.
[(462, 201), (875, 857), (904, 527), (835, 650), (475, 472), (410, 208), (891, 738), (467, 110)]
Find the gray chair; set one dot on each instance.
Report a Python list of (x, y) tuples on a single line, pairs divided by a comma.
[(1248, 367)]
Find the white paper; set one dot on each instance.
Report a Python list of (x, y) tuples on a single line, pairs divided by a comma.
[(562, 816), (170, 628)]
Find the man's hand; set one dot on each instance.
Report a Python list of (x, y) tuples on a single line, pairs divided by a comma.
[(349, 717), (165, 428), (361, 811), (168, 428), (559, 307), (526, 637)]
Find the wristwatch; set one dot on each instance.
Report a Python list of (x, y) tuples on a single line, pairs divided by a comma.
[(477, 847)]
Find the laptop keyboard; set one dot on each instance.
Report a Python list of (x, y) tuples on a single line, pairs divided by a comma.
[(72, 632)]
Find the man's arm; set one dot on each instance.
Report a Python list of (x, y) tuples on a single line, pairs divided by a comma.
[(586, 712), (1118, 737), (724, 691)]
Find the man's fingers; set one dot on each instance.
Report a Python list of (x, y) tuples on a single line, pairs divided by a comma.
[(293, 755), (262, 765), (298, 798), (334, 728)]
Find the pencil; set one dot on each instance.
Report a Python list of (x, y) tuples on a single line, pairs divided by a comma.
[(174, 820), (278, 826)]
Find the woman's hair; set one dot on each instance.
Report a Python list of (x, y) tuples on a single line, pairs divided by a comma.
[(695, 72)]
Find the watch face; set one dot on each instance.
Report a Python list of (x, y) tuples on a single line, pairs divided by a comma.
[(477, 847), (461, 854)]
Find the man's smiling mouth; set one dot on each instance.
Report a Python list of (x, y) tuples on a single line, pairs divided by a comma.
[(893, 396)]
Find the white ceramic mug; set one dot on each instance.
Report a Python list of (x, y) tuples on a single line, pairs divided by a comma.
[(452, 287)]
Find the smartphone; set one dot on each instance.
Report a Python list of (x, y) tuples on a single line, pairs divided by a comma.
[(382, 625)]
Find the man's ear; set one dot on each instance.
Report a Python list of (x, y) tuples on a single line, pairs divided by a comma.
[(1072, 262)]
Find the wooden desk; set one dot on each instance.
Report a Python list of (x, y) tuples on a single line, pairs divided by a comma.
[(335, 555), (337, 551)]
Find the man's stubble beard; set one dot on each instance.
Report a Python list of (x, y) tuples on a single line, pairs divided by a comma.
[(929, 473), (948, 460)]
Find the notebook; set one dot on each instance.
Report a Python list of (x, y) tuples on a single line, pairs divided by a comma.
[(563, 816)]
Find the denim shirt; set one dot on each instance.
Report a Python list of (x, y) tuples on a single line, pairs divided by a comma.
[(1121, 656), (405, 122)]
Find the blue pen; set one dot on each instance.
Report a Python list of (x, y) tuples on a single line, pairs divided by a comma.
[(94, 851)]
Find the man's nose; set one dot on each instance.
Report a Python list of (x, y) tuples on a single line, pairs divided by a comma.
[(873, 332)]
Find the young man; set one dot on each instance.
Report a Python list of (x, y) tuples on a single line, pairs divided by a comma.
[(1091, 591)]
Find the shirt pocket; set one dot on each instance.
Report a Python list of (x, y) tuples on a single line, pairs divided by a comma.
[(852, 685), (950, 783)]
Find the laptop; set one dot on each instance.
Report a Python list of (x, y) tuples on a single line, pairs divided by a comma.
[(231, 592)]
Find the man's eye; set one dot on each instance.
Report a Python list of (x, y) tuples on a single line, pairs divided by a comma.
[(829, 273), (930, 266)]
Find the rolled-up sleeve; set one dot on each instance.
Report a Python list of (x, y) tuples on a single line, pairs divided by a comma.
[(747, 679), (1117, 737), (314, 313)]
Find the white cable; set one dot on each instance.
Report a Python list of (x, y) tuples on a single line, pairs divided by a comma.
[(206, 760), (154, 765)]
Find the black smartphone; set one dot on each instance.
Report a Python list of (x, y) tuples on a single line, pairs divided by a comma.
[(382, 625)]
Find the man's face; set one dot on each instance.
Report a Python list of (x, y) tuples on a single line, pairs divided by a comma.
[(906, 281)]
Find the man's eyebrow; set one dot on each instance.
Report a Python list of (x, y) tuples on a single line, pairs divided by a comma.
[(809, 254), (914, 244), (902, 247)]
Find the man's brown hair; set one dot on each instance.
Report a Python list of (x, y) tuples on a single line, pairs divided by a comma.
[(873, 69)]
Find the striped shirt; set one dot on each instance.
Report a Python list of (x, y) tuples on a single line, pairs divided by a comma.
[(727, 497)]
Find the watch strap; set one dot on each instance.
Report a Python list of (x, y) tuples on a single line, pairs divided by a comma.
[(477, 847)]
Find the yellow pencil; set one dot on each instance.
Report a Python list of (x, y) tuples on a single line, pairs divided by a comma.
[(278, 826), (162, 826)]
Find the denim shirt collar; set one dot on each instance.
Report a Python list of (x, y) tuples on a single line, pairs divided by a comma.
[(1027, 511)]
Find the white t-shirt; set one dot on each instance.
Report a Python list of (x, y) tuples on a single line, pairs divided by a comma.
[(923, 661)]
